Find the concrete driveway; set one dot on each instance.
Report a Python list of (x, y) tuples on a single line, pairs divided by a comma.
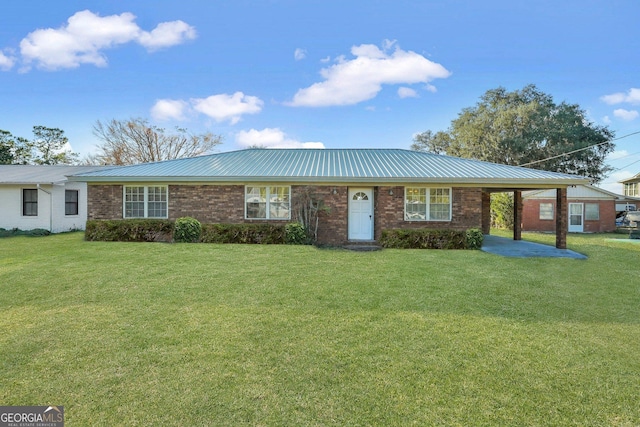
[(522, 249)]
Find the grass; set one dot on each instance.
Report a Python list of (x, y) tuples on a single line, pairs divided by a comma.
[(193, 334)]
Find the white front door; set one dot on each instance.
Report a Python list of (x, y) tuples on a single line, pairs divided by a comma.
[(576, 218), (360, 214)]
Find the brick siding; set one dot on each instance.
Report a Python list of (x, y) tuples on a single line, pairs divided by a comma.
[(104, 202), (466, 206), (207, 203), (225, 204), (531, 216)]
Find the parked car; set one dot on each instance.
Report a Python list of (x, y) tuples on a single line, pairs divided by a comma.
[(629, 219)]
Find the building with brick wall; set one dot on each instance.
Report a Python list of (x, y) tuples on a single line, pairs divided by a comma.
[(357, 193), (590, 209)]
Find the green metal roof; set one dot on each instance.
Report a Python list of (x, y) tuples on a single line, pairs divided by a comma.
[(330, 166)]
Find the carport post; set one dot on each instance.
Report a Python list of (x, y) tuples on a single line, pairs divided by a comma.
[(486, 212), (561, 218), (517, 215)]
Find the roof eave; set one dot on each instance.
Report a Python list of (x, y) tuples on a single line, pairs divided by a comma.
[(516, 182)]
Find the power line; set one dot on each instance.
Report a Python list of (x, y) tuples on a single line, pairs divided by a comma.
[(580, 149)]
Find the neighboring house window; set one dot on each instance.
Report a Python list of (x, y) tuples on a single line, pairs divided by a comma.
[(546, 210), (29, 202), (145, 202), (591, 211), (267, 202), (427, 204), (71, 202), (631, 189)]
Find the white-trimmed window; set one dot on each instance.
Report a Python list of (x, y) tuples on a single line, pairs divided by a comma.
[(427, 204), (145, 201), (71, 202), (268, 202), (591, 211), (546, 210), (29, 202), (632, 189)]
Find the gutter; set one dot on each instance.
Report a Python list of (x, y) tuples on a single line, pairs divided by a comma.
[(50, 207)]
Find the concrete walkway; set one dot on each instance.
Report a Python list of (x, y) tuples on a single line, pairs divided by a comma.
[(522, 249)]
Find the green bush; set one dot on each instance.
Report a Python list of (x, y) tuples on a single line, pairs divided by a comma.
[(474, 238), (129, 230), (187, 230), (423, 238), (244, 233), (17, 232), (502, 210), (296, 234)]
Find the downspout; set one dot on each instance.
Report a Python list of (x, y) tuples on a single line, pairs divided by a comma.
[(50, 207)]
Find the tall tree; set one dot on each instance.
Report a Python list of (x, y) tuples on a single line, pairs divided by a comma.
[(127, 142), (50, 146), (525, 126), (14, 149), (6, 148)]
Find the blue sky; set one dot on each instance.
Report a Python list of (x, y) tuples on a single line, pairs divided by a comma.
[(334, 74)]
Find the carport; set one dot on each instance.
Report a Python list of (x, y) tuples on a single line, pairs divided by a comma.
[(561, 215)]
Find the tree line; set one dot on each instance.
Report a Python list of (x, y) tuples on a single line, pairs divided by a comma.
[(122, 142), (47, 147)]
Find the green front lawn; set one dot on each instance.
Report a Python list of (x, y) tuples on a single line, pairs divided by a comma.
[(196, 334)]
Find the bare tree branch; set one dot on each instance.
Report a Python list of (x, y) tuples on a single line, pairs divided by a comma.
[(128, 142)]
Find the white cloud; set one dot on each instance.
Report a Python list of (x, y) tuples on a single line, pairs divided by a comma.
[(168, 109), (271, 138), (407, 92), (225, 107), (618, 154), (612, 183), (299, 54), (626, 115), (430, 88), (167, 34), (606, 120), (349, 82), (86, 35), (6, 62), (631, 97), (621, 175)]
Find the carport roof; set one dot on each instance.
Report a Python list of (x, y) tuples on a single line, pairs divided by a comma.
[(331, 166)]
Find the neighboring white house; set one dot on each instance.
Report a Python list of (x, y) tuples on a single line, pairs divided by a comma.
[(41, 197)]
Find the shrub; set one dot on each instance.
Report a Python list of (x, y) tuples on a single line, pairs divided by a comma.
[(502, 210), (17, 232), (38, 232), (474, 238), (296, 234), (243, 233), (129, 230), (187, 230), (423, 238)]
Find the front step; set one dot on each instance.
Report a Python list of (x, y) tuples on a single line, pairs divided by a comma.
[(363, 246)]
